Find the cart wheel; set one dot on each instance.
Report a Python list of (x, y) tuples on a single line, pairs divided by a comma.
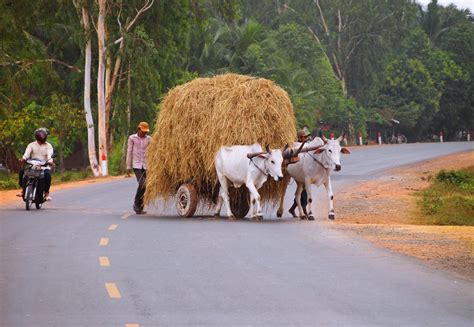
[(186, 200), (239, 201)]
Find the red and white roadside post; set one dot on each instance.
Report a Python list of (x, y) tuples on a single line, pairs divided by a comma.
[(360, 138), (104, 165), (469, 136), (331, 136), (379, 137), (441, 136)]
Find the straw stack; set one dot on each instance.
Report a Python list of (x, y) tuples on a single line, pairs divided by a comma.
[(199, 117)]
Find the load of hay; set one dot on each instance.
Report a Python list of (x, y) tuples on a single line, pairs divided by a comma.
[(199, 117)]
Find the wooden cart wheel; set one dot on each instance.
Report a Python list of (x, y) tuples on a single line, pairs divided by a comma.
[(239, 201), (186, 200)]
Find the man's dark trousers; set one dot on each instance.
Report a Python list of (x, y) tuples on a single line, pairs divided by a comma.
[(140, 174), (304, 202), (46, 181)]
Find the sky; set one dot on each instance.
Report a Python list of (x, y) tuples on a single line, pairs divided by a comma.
[(459, 3)]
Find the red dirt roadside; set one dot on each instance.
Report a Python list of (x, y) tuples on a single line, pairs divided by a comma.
[(384, 211)]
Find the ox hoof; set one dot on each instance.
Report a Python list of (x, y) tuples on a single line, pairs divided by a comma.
[(279, 214), (332, 215), (216, 215), (311, 217), (260, 217), (302, 217), (232, 217)]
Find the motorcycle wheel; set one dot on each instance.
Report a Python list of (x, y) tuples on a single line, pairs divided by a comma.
[(29, 196), (39, 198)]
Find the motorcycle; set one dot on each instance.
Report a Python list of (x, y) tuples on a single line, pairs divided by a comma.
[(34, 183)]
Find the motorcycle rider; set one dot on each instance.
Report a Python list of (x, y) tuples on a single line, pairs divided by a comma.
[(42, 150)]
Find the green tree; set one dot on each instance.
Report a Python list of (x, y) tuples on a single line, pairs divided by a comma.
[(65, 121), (418, 81)]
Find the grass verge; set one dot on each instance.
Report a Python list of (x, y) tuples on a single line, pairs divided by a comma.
[(450, 199), (10, 181)]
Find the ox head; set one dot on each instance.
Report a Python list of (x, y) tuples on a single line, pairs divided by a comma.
[(331, 152), (273, 162)]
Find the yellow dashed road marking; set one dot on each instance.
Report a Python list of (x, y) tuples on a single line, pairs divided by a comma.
[(132, 325), (113, 227), (113, 290), (104, 241), (104, 261), (125, 216)]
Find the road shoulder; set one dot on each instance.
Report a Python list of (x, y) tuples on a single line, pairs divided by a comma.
[(384, 211)]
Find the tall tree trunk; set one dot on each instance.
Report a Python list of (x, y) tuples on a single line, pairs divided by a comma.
[(114, 66), (87, 93), (101, 86), (338, 71), (328, 53), (61, 157), (129, 91), (129, 110)]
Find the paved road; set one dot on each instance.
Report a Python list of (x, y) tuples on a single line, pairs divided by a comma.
[(167, 271)]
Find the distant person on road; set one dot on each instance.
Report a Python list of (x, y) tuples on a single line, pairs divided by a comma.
[(303, 136), (136, 160), (42, 150)]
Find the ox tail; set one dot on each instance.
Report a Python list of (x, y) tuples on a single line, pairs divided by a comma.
[(215, 191)]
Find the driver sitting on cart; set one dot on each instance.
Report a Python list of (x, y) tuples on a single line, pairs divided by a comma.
[(40, 150)]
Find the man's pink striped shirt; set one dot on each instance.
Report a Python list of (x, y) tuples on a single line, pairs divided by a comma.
[(136, 151)]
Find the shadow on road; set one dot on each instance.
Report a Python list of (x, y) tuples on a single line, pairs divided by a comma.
[(201, 218)]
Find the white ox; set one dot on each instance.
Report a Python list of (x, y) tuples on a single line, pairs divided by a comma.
[(233, 165), (314, 167)]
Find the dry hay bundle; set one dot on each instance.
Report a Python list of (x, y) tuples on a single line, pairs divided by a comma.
[(198, 117)]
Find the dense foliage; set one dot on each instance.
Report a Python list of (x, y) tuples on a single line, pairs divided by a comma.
[(450, 199), (350, 65)]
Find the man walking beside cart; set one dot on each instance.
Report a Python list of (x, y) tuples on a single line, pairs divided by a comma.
[(136, 160)]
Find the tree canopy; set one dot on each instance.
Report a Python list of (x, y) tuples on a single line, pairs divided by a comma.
[(345, 64)]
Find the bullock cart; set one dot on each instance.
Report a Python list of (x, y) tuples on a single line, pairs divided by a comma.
[(199, 117)]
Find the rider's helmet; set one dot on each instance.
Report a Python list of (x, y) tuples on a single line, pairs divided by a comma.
[(41, 134)]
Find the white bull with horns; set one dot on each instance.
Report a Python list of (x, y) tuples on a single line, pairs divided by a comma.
[(249, 165), (314, 167)]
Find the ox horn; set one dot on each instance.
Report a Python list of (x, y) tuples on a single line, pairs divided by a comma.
[(325, 140), (291, 152), (267, 147), (342, 137)]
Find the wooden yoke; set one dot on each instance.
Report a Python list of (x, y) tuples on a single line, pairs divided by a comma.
[(312, 148), (291, 156)]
